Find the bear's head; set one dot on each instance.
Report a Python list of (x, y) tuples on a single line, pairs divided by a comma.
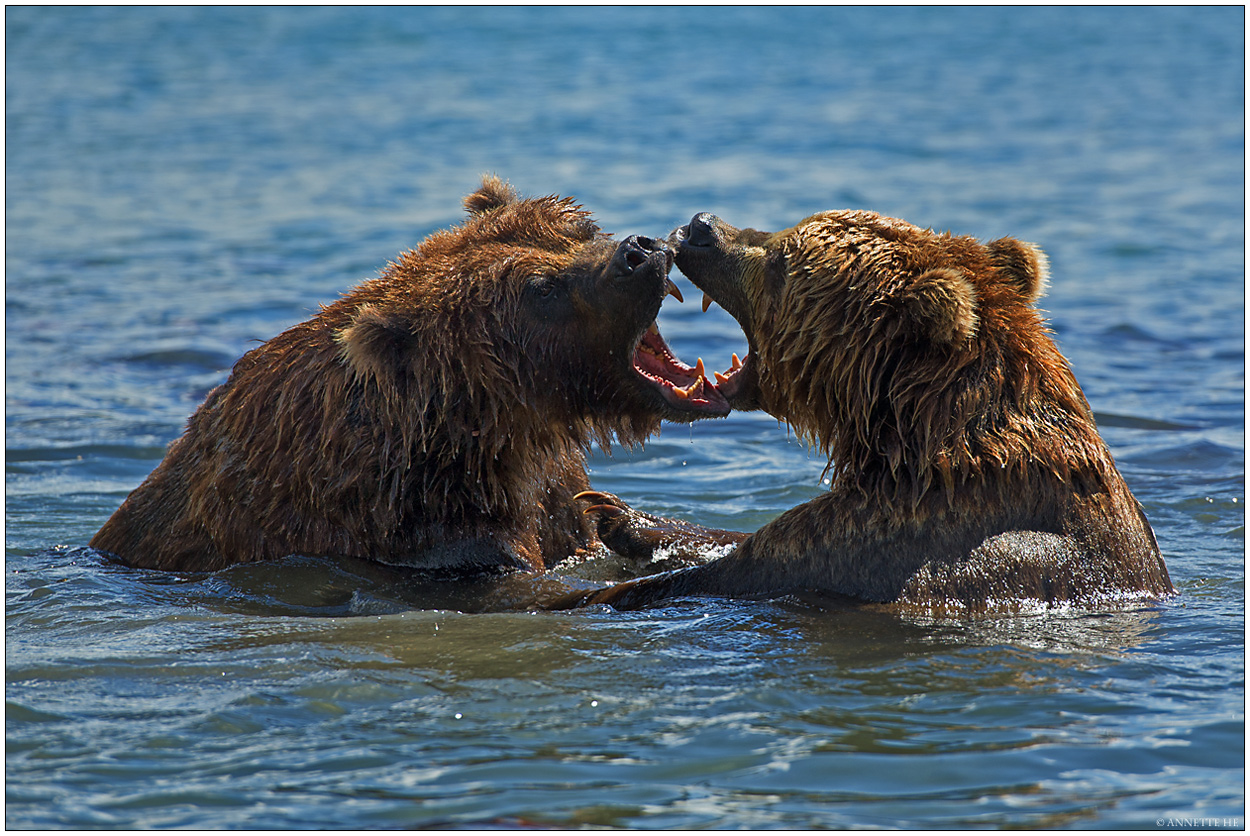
[(899, 352), (525, 321)]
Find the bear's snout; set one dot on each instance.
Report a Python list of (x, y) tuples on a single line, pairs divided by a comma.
[(637, 250), (702, 230)]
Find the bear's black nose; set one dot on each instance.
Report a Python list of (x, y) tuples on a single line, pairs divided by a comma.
[(702, 230), (634, 252)]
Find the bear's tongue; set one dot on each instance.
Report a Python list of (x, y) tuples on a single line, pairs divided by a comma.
[(683, 386)]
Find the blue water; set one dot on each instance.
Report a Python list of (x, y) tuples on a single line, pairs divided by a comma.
[(182, 183)]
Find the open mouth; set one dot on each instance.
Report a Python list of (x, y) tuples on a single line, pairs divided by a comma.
[(727, 381), (700, 235), (684, 387)]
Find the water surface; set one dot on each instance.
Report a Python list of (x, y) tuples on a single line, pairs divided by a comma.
[(181, 183)]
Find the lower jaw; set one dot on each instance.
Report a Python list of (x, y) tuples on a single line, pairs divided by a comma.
[(685, 410)]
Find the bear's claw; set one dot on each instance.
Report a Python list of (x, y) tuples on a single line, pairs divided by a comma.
[(604, 503), (600, 496)]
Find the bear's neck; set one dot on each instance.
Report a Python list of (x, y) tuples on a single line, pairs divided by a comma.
[(924, 448), (460, 467), (931, 467), (418, 454)]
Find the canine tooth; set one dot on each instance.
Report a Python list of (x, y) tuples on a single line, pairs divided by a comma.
[(721, 378), (671, 290), (737, 364), (653, 328), (698, 369), (707, 302), (695, 388)]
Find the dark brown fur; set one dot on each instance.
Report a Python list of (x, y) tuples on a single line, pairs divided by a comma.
[(434, 417), (967, 470)]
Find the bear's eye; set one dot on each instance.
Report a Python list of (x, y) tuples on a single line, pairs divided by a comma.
[(542, 286)]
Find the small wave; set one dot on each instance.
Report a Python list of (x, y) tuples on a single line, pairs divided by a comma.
[(197, 358), (1136, 422), (83, 451)]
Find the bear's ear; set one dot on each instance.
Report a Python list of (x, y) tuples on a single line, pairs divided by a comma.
[(374, 344), (942, 305), (492, 194), (1021, 264)]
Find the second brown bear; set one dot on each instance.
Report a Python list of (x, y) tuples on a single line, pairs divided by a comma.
[(967, 471)]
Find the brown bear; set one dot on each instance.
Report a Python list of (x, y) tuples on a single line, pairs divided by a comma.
[(434, 417), (967, 472)]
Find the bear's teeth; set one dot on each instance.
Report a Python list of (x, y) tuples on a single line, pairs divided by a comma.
[(737, 364), (707, 302), (671, 290), (695, 388), (721, 378)]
